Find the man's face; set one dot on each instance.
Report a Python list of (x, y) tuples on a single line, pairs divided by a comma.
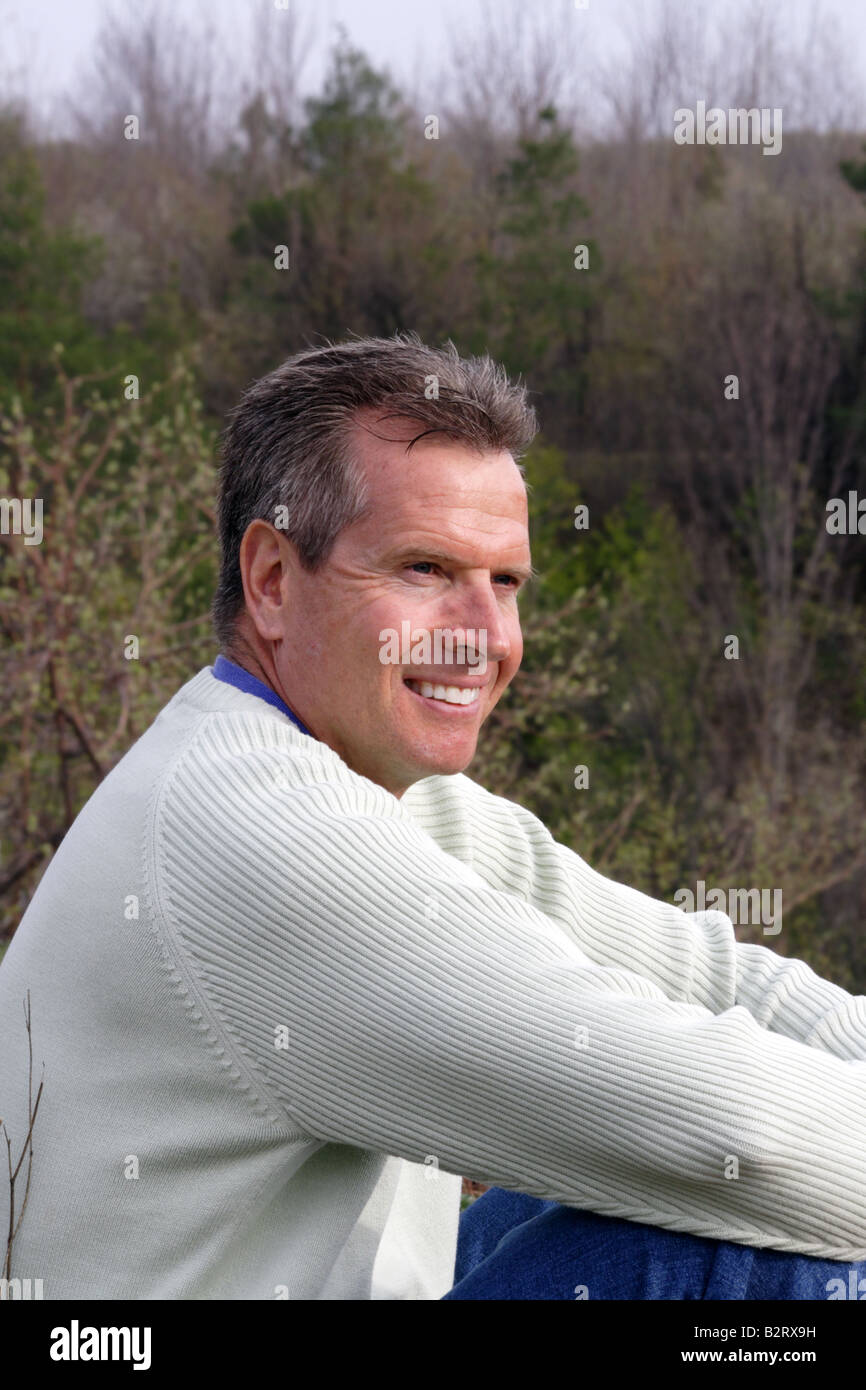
[(446, 547)]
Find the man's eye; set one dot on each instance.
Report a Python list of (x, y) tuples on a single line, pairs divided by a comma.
[(428, 566)]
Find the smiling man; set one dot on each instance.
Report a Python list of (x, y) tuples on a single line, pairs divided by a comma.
[(442, 545), (293, 973)]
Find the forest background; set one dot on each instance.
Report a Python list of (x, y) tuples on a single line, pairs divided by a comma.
[(139, 294)]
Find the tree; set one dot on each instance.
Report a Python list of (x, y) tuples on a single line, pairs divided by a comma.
[(102, 620), (42, 277)]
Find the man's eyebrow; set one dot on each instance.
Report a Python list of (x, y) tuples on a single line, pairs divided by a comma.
[(418, 552)]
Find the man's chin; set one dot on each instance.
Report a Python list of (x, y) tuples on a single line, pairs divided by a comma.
[(413, 767), (415, 770), (445, 764)]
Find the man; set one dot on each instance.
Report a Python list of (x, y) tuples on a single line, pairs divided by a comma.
[(292, 974)]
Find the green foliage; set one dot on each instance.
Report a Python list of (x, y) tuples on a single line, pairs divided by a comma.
[(128, 553), (42, 275), (534, 301), (358, 219), (854, 173), (353, 127)]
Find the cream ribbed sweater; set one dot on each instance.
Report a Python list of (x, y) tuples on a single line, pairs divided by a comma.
[(281, 1012)]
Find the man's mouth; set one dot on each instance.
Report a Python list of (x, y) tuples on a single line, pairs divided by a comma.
[(447, 694)]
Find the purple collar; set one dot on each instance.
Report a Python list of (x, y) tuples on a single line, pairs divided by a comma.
[(232, 674)]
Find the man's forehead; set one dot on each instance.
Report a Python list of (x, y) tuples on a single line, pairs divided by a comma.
[(441, 497), (437, 468)]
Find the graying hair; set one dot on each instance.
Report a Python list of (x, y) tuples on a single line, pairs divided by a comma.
[(290, 441)]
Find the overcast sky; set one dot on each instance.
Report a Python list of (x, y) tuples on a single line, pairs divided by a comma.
[(47, 42)]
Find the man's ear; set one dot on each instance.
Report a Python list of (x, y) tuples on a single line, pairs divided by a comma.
[(267, 560)]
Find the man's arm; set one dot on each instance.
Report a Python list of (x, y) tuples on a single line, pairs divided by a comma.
[(694, 957), (431, 1016)]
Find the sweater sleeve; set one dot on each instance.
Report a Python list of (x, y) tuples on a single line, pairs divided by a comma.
[(694, 957), (386, 996)]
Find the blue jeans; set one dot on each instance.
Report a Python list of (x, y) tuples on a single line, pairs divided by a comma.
[(513, 1246)]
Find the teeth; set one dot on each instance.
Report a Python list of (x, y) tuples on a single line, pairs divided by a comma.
[(451, 694)]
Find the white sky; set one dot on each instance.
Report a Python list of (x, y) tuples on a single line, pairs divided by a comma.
[(45, 43)]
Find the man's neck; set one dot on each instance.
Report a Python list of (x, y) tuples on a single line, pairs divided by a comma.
[(241, 654), (239, 667)]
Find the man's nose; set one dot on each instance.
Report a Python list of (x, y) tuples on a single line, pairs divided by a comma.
[(481, 611)]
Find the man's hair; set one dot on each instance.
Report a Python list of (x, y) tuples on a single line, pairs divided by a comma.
[(290, 441)]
